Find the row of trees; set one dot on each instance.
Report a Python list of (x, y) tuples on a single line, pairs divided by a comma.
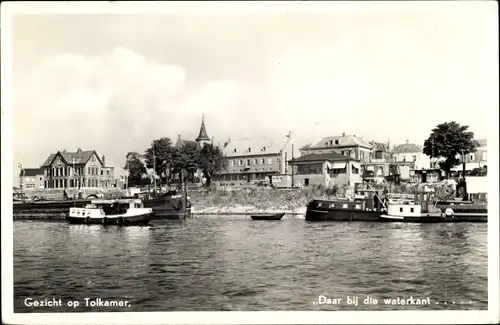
[(168, 160)]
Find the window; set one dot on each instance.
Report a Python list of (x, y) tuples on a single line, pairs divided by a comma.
[(414, 158), (269, 161), (41, 178), (248, 162), (362, 155), (378, 154), (107, 172), (331, 142), (255, 161), (400, 209), (262, 161), (234, 150), (404, 158), (88, 170), (93, 158), (102, 172), (355, 170), (232, 162), (472, 157), (411, 210), (336, 141), (249, 149), (264, 149), (240, 162)]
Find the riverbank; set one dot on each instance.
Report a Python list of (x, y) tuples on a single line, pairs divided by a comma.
[(258, 200)]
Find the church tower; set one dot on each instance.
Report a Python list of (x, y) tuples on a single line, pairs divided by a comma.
[(202, 136)]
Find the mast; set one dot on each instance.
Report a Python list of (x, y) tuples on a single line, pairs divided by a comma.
[(154, 168), (292, 166)]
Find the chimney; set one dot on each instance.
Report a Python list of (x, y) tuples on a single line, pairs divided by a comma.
[(343, 134), (178, 137), (103, 160), (407, 141), (78, 150)]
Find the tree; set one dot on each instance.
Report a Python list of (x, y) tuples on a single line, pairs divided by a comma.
[(162, 153), (135, 168), (211, 160), (186, 158), (449, 141)]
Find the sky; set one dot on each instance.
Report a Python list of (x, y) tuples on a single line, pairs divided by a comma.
[(114, 82)]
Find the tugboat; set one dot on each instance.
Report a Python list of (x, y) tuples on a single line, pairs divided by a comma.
[(405, 210), (111, 212)]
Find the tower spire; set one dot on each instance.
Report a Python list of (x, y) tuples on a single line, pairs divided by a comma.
[(203, 136)]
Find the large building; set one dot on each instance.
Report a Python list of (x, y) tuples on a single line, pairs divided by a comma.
[(80, 169), (251, 160), (326, 169), (347, 145), (31, 179)]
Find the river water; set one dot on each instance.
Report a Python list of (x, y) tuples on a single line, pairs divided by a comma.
[(227, 263)]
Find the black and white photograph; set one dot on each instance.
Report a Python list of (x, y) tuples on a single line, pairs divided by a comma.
[(250, 162)]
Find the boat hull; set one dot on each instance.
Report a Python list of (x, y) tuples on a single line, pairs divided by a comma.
[(464, 217), (325, 210), (142, 219), (167, 208), (278, 216)]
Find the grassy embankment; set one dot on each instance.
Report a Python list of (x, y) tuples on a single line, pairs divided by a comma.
[(258, 200)]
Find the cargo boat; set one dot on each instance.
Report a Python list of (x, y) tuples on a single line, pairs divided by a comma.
[(166, 206), (373, 206)]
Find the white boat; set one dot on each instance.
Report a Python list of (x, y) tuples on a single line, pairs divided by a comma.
[(406, 210), (112, 212)]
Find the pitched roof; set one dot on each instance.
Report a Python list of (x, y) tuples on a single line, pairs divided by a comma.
[(80, 156), (181, 142), (252, 147), (31, 172), (343, 141), (329, 156), (202, 136), (407, 147)]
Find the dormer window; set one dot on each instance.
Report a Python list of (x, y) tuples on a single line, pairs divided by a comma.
[(234, 150), (331, 142), (249, 149), (264, 149), (336, 141)]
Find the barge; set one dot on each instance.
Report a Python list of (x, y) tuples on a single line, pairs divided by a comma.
[(374, 206), (166, 206)]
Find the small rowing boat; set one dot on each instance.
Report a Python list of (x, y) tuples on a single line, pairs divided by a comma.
[(275, 216)]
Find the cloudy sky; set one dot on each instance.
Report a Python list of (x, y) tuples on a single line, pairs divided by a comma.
[(114, 82)]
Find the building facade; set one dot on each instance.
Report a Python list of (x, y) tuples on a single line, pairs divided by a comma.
[(80, 169), (31, 179), (378, 167), (476, 159), (412, 155), (347, 145), (326, 169), (250, 161)]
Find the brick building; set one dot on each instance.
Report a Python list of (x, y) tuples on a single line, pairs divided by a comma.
[(84, 169)]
